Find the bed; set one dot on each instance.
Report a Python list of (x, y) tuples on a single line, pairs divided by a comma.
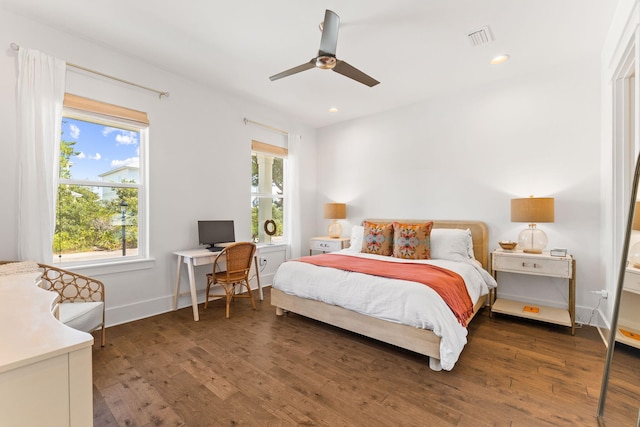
[(417, 318)]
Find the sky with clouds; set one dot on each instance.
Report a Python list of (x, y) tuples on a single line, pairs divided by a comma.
[(99, 148)]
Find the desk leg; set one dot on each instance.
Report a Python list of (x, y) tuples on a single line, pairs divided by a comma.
[(177, 292), (257, 263), (192, 288)]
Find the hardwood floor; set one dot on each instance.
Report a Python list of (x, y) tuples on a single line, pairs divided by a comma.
[(259, 369)]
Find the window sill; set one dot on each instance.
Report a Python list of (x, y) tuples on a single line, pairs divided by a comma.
[(271, 247), (111, 267)]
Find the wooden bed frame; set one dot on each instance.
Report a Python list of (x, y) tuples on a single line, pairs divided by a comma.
[(421, 341)]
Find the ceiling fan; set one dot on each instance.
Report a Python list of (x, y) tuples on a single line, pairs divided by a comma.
[(326, 59)]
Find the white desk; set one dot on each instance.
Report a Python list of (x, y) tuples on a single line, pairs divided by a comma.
[(194, 257)]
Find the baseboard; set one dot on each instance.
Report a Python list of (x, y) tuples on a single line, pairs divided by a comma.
[(590, 316), (152, 307), (138, 310)]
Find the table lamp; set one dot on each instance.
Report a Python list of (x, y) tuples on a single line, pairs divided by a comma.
[(335, 211), (532, 210)]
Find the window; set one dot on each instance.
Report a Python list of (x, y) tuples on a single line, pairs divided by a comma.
[(100, 212), (268, 164)]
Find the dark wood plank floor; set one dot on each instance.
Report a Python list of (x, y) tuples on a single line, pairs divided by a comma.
[(259, 369)]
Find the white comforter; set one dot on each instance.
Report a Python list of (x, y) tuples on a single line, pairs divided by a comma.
[(399, 301)]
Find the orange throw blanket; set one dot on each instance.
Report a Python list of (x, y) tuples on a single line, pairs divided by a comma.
[(448, 284)]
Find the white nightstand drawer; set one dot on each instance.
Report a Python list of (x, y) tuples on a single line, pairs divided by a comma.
[(543, 266), (632, 280), (326, 245)]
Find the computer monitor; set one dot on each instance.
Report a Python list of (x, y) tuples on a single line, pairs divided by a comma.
[(214, 232)]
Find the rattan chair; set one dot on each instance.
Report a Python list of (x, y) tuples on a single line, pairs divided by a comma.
[(81, 304), (237, 258)]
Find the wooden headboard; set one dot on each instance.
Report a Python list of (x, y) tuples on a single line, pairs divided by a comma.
[(479, 233)]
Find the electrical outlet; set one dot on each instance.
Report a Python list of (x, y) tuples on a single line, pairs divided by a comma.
[(604, 294)]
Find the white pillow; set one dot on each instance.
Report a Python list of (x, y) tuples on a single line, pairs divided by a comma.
[(451, 244), (357, 234)]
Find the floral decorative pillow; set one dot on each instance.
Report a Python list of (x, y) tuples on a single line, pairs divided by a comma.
[(377, 238), (412, 241)]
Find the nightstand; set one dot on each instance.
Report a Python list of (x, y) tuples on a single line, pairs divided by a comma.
[(328, 244), (538, 265), (628, 316)]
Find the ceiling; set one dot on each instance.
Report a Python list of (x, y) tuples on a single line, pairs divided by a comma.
[(415, 48)]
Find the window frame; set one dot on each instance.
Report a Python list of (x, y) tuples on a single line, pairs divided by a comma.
[(261, 148), (110, 115)]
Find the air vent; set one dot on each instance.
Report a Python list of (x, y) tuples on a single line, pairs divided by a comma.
[(480, 36)]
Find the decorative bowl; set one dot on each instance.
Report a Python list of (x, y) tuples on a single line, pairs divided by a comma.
[(508, 245)]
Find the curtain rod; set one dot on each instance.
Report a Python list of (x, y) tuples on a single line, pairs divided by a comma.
[(247, 121), (160, 93)]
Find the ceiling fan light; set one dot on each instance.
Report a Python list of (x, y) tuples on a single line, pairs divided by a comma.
[(499, 59), (326, 62)]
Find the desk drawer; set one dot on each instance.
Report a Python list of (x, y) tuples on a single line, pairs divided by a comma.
[(202, 260), (531, 265), (326, 245)]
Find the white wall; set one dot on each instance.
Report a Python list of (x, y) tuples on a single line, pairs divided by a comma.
[(199, 156), (464, 155)]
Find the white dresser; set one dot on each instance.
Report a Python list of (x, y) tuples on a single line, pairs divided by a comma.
[(45, 366)]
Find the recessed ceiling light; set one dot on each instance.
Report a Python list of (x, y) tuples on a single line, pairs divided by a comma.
[(500, 59), (333, 110)]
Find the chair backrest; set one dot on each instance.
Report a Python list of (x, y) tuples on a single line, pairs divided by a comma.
[(238, 260), (72, 287)]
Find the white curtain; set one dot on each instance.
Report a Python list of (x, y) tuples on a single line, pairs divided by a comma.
[(292, 201), (40, 90)]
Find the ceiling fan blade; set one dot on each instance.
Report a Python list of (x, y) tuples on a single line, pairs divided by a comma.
[(294, 70), (329, 40), (355, 74)]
